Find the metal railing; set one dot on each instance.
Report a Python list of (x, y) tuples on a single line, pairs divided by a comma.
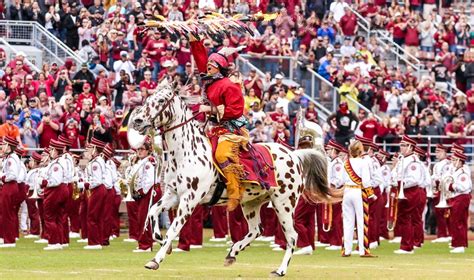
[(13, 50), (388, 43), (313, 85), (33, 34)]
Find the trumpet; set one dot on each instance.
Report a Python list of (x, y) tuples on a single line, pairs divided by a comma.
[(35, 194), (401, 193)]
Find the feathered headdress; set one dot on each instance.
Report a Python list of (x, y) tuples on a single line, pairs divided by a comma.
[(211, 24)]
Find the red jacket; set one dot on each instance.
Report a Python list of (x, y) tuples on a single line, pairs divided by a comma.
[(222, 91)]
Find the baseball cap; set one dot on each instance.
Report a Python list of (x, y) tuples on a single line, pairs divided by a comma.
[(278, 76), (123, 53)]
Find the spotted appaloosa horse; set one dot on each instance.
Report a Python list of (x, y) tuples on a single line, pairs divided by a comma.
[(190, 177)]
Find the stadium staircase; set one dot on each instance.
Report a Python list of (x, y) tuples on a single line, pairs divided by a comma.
[(31, 33)]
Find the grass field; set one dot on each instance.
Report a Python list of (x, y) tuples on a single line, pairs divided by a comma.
[(29, 261)]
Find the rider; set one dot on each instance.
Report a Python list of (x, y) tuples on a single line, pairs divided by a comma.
[(226, 103)]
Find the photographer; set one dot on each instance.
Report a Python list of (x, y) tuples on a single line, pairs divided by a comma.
[(28, 133)]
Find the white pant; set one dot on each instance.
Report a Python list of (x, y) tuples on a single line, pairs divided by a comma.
[(352, 211), (23, 216)]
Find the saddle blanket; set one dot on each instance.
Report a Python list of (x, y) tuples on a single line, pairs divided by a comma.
[(258, 165)]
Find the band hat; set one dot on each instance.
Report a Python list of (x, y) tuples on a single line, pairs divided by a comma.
[(108, 151), (67, 142), (364, 141), (98, 143), (20, 151), (456, 146), (10, 141), (36, 157), (419, 151), (334, 145), (45, 151), (408, 140), (460, 156), (440, 146), (56, 144)]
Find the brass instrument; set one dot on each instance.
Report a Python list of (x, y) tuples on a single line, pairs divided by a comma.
[(76, 192), (125, 190), (401, 193), (326, 219), (444, 192), (392, 205), (35, 194), (307, 128)]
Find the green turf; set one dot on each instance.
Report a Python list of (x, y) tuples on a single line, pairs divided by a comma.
[(29, 261)]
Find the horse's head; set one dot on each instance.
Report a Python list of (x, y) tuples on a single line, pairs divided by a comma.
[(155, 113)]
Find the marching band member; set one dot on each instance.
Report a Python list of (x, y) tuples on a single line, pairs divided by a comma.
[(335, 170), (23, 194), (55, 197), (219, 223), (460, 189), (419, 231), (83, 196), (357, 183), (147, 181), (409, 177), (386, 174), (109, 181), (10, 192), (42, 169), (72, 205), (33, 184), (132, 206), (117, 201), (305, 219), (95, 174), (440, 170)]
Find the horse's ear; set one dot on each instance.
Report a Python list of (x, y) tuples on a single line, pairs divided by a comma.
[(174, 85), (164, 83)]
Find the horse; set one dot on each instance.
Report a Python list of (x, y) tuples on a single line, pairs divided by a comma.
[(189, 176)]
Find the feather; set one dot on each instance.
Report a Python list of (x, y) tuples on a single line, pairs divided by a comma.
[(160, 17), (227, 51)]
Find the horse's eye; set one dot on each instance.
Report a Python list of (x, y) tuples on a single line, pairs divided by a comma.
[(161, 101)]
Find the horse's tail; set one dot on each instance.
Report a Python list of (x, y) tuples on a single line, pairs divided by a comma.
[(315, 174)]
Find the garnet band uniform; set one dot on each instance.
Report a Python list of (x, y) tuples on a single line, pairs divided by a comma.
[(411, 176), (440, 170), (459, 208), (10, 192)]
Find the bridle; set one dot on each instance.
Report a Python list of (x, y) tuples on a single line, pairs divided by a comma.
[(167, 104)]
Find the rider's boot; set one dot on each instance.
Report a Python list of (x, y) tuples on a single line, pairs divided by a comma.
[(233, 186)]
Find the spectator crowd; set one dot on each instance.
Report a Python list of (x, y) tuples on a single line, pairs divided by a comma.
[(125, 62)]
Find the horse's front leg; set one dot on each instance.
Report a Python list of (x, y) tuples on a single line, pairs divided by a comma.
[(169, 200), (188, 201)]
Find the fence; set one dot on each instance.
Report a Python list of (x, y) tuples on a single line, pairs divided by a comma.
[(33, 34)]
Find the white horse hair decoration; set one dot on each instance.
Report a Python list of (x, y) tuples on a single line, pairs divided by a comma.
[(189, 176)]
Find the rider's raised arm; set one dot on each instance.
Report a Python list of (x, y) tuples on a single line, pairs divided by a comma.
[(199, 53)]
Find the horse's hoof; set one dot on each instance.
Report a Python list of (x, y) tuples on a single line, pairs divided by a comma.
[(276, 274), (229, 261), (170, 249), (153, 265)]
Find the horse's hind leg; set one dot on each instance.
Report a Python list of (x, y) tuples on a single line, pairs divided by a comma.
[(251, 210), (285, 209), (185, 209)]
